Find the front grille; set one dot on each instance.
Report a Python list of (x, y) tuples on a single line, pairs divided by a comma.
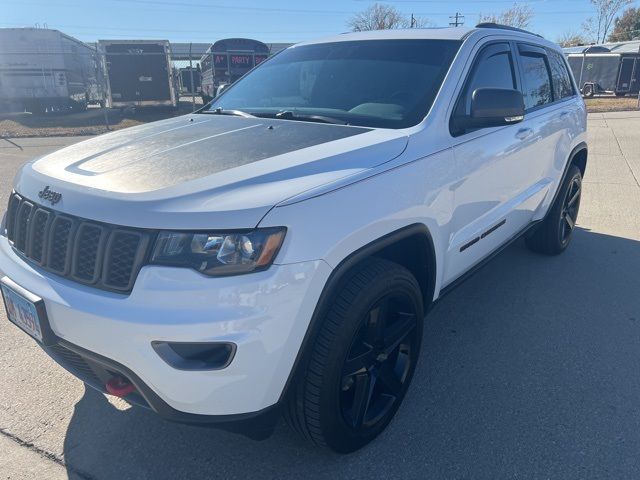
[(96, 254)]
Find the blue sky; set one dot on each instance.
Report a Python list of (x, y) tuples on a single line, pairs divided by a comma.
[(269, 21)]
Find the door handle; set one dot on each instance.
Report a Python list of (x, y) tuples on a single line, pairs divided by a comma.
[(524, 133), (564, 114)]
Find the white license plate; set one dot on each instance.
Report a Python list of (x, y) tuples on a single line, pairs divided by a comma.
[(21, 311)]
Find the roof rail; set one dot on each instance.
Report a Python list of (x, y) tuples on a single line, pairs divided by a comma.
[(505, 27)]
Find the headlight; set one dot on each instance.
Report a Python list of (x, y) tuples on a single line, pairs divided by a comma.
[(219, 253)]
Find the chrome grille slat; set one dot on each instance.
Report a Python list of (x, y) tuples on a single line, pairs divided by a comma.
[(103, 256)]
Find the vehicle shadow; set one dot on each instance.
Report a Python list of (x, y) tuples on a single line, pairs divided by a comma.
[(528, 370)]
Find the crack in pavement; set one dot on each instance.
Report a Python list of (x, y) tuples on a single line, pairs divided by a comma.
[(45, 454)]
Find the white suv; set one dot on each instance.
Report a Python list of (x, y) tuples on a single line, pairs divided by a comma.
[(277, 251)]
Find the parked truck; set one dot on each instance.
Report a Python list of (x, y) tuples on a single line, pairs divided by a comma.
[(599, 70), (138, 73), (44, 70)]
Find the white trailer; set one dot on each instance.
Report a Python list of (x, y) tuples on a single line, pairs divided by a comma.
[(44, 70)]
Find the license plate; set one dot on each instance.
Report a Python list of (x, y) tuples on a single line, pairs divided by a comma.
[(22, 310)]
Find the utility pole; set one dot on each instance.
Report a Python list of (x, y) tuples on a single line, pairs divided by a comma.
[(193, 90), (457, 20), (413, 21)]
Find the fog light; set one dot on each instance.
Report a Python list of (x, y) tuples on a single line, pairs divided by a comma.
[(196, 356)]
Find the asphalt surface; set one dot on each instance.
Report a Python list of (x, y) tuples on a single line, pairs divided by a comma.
[(529, 370)]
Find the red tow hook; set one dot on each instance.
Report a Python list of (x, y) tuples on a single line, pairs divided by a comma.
[(120, 387)]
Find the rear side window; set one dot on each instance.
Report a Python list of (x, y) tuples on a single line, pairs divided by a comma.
[(536, 77), (493, 68), (562, 86)]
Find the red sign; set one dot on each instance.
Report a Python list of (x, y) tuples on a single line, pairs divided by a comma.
[(241, 61)]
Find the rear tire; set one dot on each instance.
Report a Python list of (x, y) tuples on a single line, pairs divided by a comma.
[(362, 358), (588, 90), (554, 234)]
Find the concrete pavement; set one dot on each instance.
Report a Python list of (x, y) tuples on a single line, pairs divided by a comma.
[(529, 370)]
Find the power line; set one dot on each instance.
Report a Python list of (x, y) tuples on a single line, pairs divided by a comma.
[(458, 20)]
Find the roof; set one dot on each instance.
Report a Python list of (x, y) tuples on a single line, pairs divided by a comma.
[(440, 33), (445, 33), (617, 47)]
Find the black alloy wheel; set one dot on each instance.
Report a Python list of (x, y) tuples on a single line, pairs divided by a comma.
[(570, 208), (361, 359), (378, 362)]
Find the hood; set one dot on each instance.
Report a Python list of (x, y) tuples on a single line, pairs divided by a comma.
[(203, 171)]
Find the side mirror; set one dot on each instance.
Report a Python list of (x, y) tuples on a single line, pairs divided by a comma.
[(493, 107), (221, 88)]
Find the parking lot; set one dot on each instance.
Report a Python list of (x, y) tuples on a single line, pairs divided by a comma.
[(531, 369)]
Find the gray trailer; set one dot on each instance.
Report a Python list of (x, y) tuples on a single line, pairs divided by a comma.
[(138, 73), (598, 70), (43, 70)]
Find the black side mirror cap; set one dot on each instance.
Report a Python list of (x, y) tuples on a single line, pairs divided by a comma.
[(493, 107)]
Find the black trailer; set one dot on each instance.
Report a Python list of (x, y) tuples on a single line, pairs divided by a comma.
[(190, 81), (598, 70), (139, 73)]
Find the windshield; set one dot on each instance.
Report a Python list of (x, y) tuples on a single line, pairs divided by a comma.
[(374, 83)]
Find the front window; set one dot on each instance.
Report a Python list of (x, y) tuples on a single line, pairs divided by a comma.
[(373, 83)]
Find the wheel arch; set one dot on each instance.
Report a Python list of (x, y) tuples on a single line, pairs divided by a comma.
[(579, 157), (396, 246)]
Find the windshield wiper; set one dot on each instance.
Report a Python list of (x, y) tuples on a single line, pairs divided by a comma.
[(235, 113), (289, 115)]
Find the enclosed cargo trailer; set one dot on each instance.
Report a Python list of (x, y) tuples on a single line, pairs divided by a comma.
[(190, 81), (138, 73), (44, 70), (599, 70)]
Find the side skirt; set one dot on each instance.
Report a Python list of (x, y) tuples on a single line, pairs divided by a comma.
[(473, 270)]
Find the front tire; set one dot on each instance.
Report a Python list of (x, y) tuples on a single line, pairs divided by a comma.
[(362, 359), (554, 234)]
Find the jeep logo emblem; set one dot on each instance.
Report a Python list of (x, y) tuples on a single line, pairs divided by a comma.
[(49, 195)]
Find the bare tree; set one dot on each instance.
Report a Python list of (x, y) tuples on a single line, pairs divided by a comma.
[(377, 17), (383, 17), (598, 26), (519, 16), (571, 39)]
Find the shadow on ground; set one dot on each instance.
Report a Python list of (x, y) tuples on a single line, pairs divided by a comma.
[(528, 370)]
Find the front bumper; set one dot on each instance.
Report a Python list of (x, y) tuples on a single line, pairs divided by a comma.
[(266, 314)]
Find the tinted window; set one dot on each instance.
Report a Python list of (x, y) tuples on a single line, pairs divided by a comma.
[(493, 68), (377, 83), (562, 86), (536, 82)]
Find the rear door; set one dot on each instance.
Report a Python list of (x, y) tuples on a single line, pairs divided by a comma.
[(625, 76)]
